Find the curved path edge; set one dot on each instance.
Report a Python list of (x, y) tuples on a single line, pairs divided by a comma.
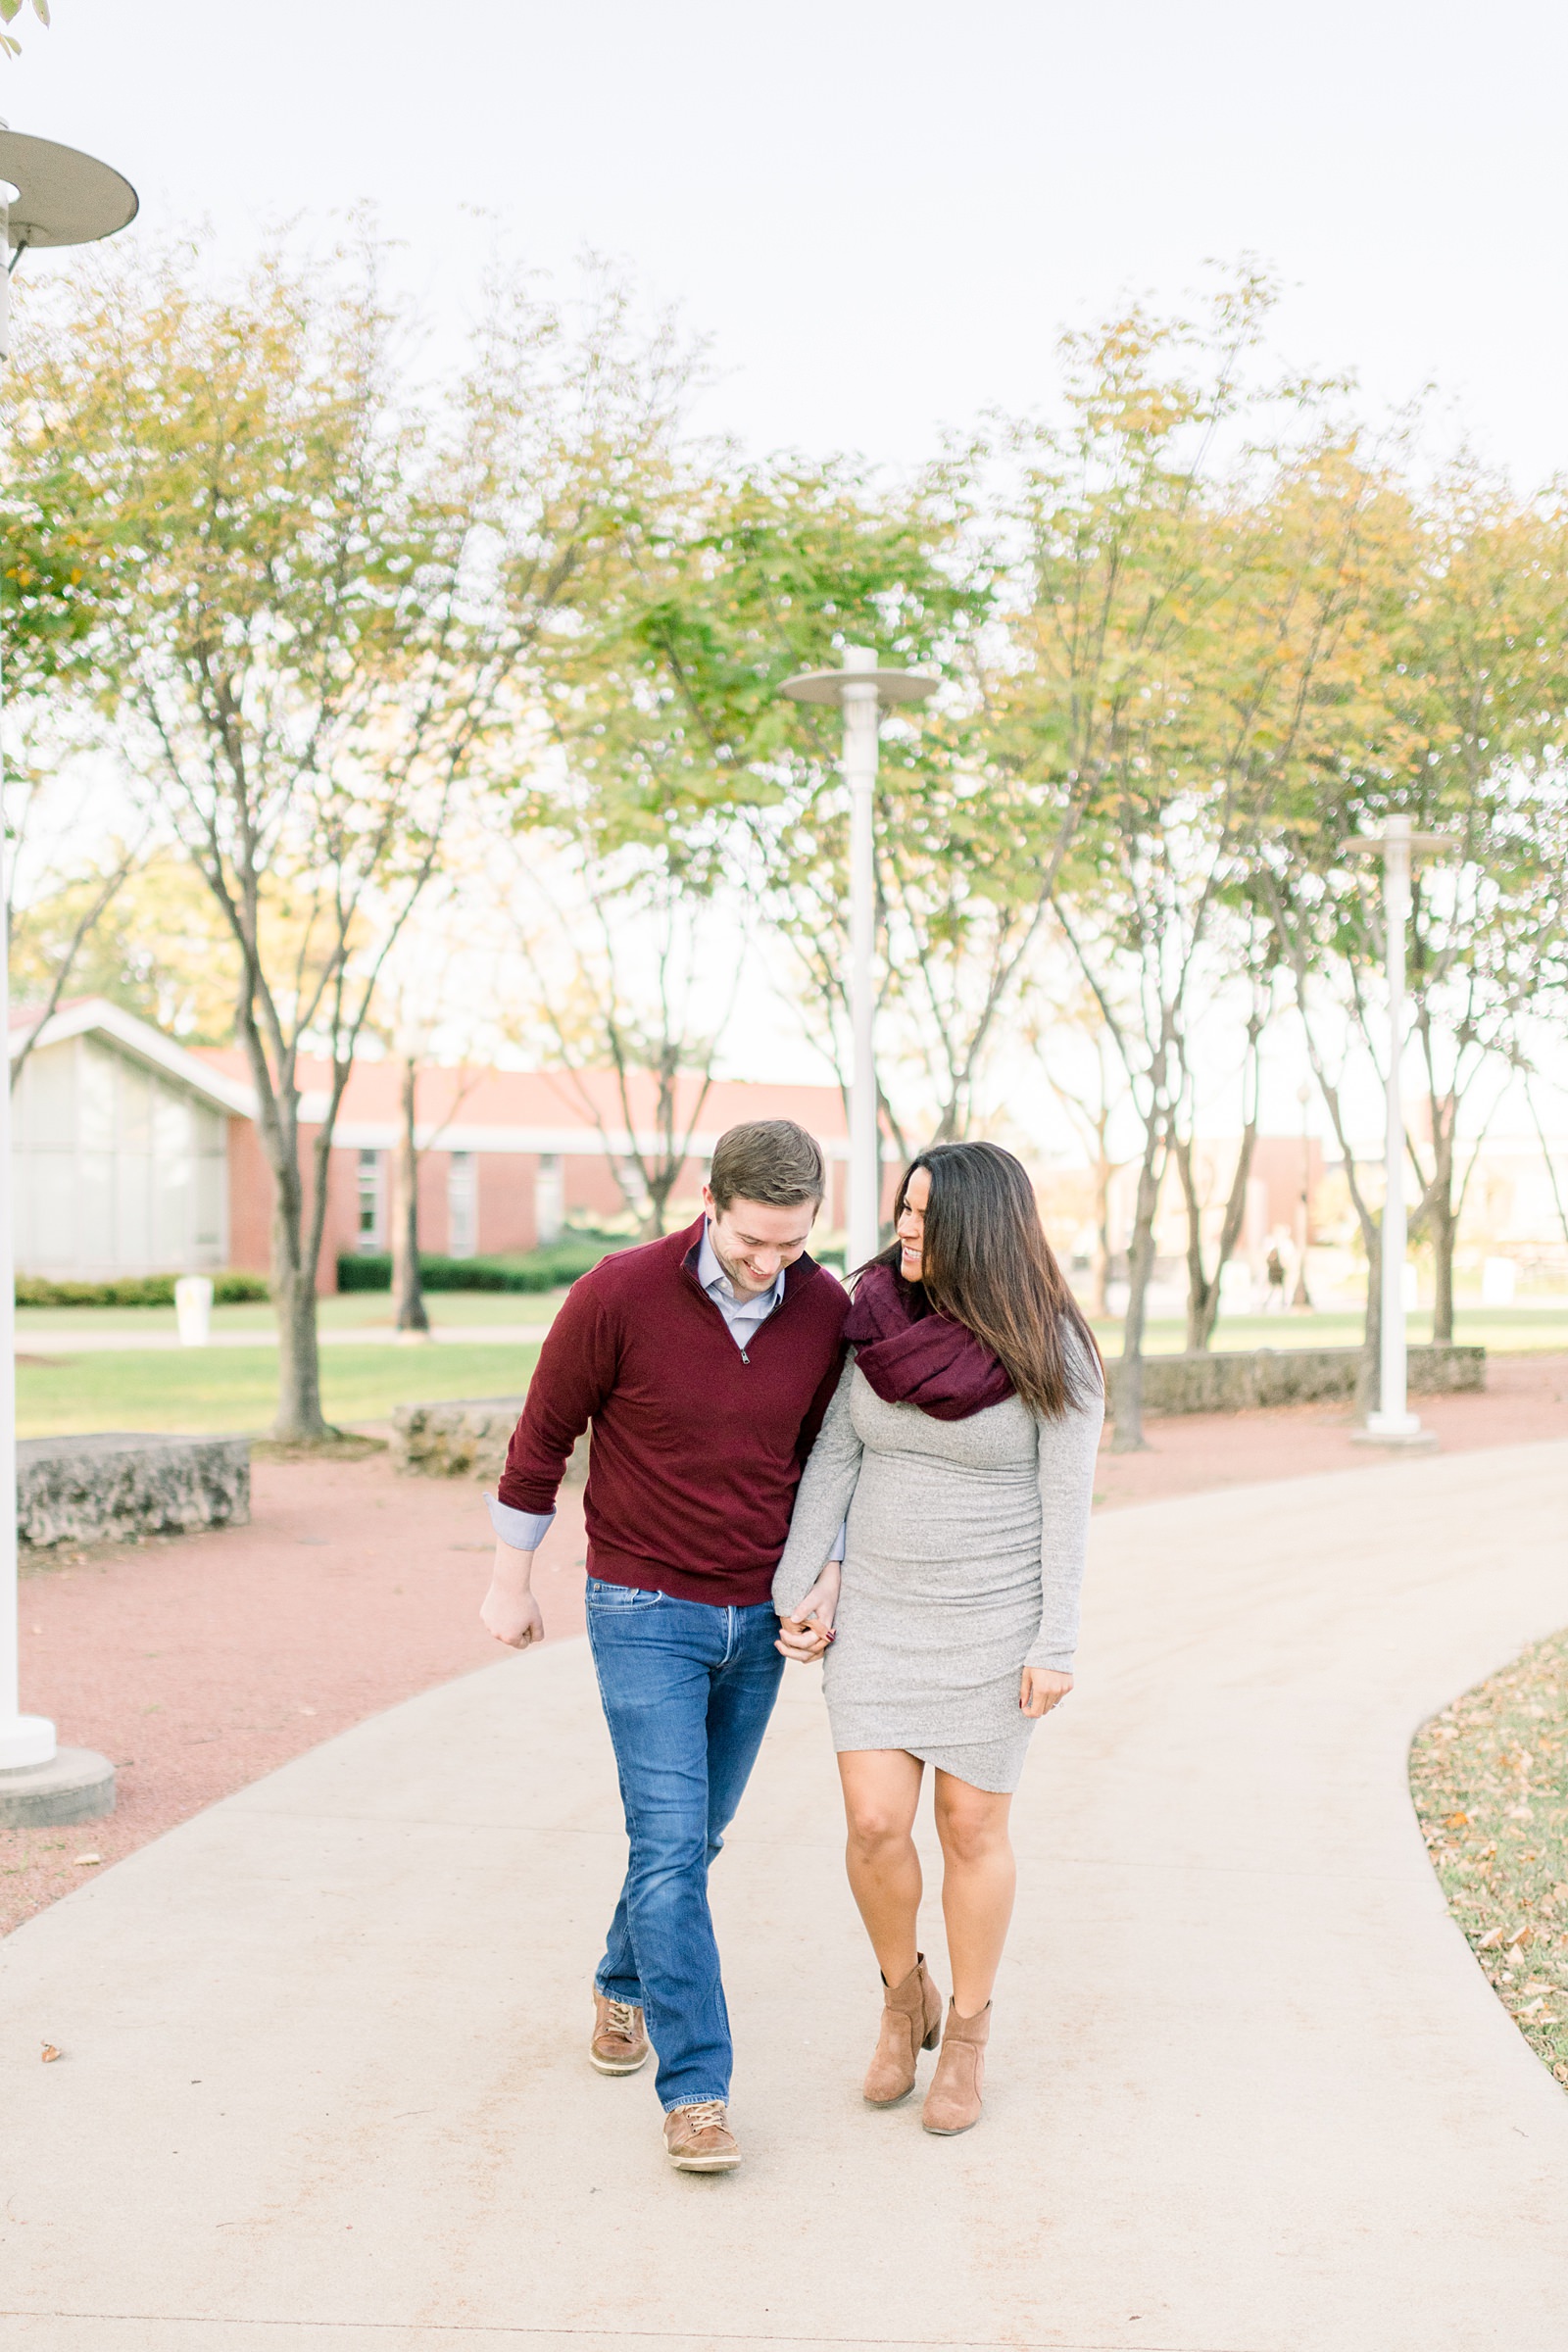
[(322, 2081)]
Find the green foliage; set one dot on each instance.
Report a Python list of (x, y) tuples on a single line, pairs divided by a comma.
[(9, 10), (158, 947), (552, 1268), (233, 1288)]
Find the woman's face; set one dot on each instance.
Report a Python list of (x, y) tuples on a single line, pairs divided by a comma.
[(911, 1225)]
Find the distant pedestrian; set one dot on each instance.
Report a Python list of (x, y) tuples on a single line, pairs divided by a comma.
[(705, 1363), (1274, 1268), (961, 1444)]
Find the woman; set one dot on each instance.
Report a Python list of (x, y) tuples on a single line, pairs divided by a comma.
[(961, 1443)]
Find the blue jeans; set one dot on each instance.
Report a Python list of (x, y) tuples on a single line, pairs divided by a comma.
[(687, 1692)]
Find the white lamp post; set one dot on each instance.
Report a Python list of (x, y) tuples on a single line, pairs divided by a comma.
[(1394, 1423), (63, 198), (861, 690)]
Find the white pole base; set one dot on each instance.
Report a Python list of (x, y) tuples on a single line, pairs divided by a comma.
[(25, 1739), (76, 1785), (1401, 1430)]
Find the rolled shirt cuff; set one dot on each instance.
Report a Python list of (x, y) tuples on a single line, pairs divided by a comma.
[(836, 1547), (524, 1531)]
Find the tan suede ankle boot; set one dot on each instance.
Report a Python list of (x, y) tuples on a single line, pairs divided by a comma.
[(952, 2102), (912, 2022)]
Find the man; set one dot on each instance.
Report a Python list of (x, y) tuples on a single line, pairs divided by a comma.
[(705, 1362)]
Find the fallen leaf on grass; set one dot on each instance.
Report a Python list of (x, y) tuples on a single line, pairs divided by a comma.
[(1489, 1941), (86, 1861), (1520, 1938), (1456, 1820), (49, 2053)]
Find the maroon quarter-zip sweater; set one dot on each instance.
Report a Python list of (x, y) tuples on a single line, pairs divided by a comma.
[(697, 1447)]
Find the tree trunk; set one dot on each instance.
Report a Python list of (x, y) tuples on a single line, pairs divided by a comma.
[(1442, 1222), (407, 1299), (300, 1420), (1445, 1233), (1128, 1436), (1369, 1373), (1202, 1291), (1104, 1172)]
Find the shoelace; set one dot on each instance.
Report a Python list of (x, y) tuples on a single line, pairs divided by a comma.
[(707, 2116), (620, 2018)]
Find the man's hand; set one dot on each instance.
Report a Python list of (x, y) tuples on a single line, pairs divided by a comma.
[(1043, 1688), (806, 1635), (509, 1609)]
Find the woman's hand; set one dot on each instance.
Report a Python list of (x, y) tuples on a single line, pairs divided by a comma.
[(1043, 1688), (807, 1634)]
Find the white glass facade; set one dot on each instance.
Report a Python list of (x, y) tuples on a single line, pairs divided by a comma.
[(119, 1170)]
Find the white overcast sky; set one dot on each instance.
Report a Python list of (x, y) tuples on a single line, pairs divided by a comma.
[(883, 213)]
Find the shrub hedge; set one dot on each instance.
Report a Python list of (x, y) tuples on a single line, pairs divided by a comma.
[(547, 1270), (231, 1289)]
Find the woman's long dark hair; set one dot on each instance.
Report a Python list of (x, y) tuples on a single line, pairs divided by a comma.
[(986, 1264)]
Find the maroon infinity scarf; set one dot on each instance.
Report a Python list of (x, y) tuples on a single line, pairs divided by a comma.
[(912, 1355)]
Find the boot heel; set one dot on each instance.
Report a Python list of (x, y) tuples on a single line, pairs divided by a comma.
[(932, 2039)]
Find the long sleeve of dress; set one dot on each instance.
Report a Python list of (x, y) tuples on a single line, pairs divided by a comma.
[(1068, 1449), (821, 1499)]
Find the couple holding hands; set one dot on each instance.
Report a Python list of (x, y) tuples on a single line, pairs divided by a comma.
[(896, 1479)]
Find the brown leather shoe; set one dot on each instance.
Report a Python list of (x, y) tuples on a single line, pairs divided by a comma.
[(912, 2022), (698, 2140), (952, 2102), (619, 2045)]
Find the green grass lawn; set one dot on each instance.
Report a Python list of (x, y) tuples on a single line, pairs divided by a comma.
[(1506, 1330), (235, 1389)]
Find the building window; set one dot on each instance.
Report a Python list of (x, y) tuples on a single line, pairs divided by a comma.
[(369, 1239), (462, 1204), (549, 1198)]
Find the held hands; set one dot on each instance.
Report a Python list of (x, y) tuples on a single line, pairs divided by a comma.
[(807, 1634), (1043, 1688)]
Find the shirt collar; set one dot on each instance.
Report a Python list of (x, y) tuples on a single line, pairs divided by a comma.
[(711, 1275)]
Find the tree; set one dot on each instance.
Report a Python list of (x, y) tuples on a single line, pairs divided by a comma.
[(318, 622), (686, 780), (55, 576), (1091, 1107), (620, 997), (1204, 1280), (1475, 697), (1181, 617), (1458, 724)]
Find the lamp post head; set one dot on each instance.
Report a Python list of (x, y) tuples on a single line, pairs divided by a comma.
[(1399, 834), (859, 672), (63, 198)]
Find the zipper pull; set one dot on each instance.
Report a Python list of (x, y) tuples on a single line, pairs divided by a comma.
[(745, 1358)]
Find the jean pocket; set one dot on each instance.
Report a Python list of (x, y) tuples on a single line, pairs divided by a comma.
[(603, 1596)]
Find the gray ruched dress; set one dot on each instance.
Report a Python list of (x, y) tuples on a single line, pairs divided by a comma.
[(963, 1564)]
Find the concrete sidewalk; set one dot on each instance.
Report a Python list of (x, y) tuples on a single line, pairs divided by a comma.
[(323, 2085)]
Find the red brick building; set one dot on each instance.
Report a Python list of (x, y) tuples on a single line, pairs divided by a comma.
[(136, 1155)]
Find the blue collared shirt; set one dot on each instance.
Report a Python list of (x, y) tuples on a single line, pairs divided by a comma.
[(742, 1316)]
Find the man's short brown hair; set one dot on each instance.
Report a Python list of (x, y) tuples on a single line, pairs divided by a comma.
[(767, 1160)]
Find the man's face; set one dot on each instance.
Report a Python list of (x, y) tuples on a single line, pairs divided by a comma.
[(752, 1239)]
